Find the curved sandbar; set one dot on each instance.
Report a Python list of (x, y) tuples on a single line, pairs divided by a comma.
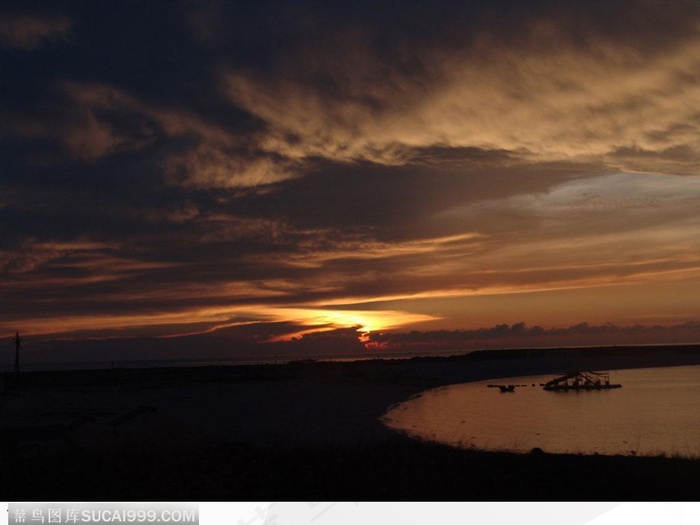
[(308, 431)]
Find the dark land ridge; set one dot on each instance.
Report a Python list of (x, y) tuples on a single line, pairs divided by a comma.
[(300, 432)]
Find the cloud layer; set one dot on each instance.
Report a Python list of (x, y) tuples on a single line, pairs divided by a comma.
[(560, 85), (27, 32), (194, 167)]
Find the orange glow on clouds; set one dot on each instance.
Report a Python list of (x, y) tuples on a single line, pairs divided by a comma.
[(364, 320), (540, 168), (316, 319)]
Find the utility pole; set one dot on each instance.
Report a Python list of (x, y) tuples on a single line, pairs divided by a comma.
[(18, 342)]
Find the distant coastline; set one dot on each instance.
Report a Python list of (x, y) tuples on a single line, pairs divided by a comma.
[(628, 351)]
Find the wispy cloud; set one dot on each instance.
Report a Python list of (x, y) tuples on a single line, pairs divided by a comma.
[(544, 89), (94, 121), (29, 32)]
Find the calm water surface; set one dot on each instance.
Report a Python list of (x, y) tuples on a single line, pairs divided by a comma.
[(657, 411)]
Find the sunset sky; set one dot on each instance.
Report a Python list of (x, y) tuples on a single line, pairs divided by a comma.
[(269, 170)]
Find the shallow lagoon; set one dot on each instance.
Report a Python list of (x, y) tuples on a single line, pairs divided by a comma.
[(657, 411)]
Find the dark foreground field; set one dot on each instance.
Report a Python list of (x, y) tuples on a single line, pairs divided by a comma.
[(298, 432), (397, 470)]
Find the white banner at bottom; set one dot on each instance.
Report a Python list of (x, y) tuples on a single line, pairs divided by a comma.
[(493, 513)]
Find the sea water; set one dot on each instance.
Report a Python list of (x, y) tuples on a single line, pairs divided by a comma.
[(657, 411)]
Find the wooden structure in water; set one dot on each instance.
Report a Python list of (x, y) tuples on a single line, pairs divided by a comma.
[(581, 381)]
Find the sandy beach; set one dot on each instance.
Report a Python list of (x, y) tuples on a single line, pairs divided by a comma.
[(281, 418)]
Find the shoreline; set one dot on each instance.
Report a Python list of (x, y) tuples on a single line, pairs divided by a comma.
[(451, 415), (319, 421), (266, 360), (304, 402)]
